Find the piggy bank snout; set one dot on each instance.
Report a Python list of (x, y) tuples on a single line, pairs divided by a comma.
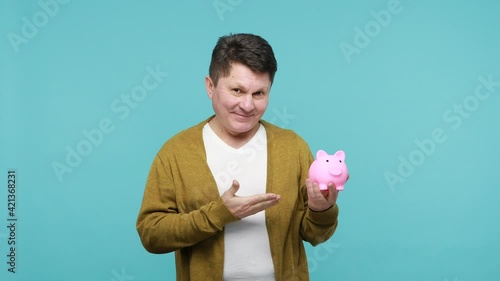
[(335, 171)]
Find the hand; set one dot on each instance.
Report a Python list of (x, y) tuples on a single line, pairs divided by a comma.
[(320, 200), (246, 206)]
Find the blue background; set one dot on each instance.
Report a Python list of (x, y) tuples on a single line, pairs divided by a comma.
[(436, 220)]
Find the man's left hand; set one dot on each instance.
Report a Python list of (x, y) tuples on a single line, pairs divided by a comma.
[(320, 200)]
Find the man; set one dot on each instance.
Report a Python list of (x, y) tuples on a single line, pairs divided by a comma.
[(231, 195)]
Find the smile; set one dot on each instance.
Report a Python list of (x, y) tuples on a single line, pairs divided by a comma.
[(241, 117)]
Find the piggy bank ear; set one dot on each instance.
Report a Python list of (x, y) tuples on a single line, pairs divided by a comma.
[(340, 154), (321, 154)]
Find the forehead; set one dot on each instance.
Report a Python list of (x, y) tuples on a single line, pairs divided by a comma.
[(242, 74)]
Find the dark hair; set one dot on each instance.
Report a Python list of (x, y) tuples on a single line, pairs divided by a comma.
[(248, 49)]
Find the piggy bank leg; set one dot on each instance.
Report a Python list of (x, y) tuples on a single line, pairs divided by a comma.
[(323, 186), (340, 187)]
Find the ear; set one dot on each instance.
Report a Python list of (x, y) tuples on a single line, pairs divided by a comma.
[(340, 154), (321, 154), (209, 86)]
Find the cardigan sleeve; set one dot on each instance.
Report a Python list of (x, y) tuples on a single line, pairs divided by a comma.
[(162, 228), (316, 227)]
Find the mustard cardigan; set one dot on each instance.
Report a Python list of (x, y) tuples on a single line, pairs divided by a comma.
[(182, 211)]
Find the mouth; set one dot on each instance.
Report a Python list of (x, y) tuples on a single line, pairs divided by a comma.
[(243, 116)]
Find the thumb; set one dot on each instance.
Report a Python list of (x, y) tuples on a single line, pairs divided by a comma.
[(234, 188)]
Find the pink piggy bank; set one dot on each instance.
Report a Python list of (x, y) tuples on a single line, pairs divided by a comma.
[(329, 168)]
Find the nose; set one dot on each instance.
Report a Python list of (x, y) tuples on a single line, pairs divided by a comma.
[(246, 103), (336, 171)]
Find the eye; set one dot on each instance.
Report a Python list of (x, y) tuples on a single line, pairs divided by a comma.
[(236, 90), (340, 161), (259, 95), (327, 160)]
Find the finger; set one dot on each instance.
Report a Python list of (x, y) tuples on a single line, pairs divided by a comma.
[(333, 193), (328, 191), (310, 191), (258, 203), (325, 193), (309, 186), (231, 191), (234, 187), (314, 191), (308, 182), (261, 198), (260, 206)]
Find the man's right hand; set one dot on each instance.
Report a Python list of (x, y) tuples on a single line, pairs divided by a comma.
[(246, 206)]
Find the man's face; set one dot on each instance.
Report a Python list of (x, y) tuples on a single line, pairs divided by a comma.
[(239, 101)]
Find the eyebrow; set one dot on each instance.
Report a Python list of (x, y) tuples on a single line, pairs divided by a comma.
[(245, 89)]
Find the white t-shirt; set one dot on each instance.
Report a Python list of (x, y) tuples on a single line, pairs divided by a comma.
[(247, 254)]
